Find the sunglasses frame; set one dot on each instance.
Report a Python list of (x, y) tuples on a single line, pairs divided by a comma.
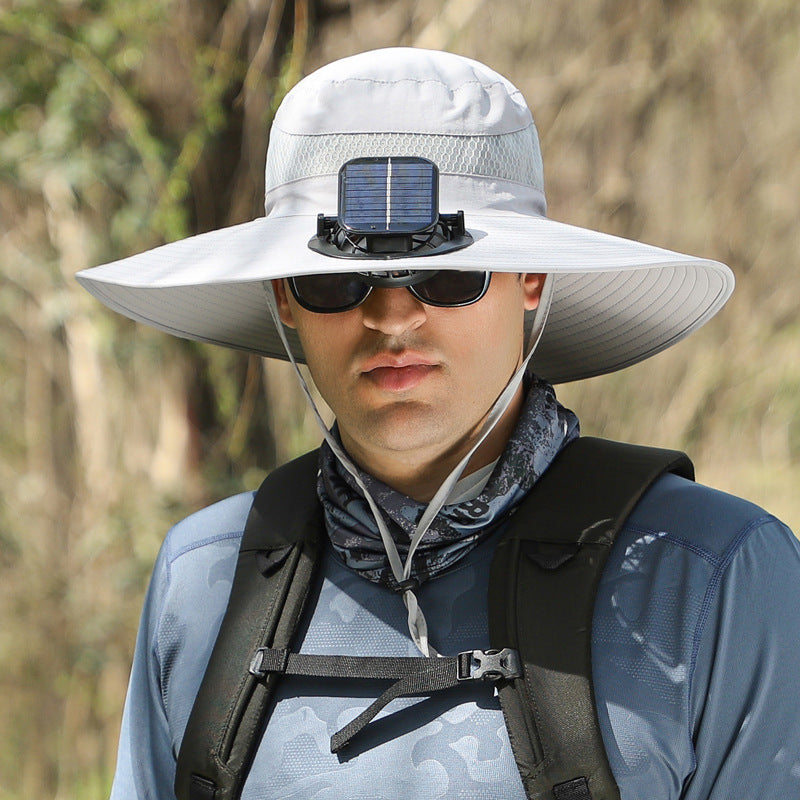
[(379, 281)]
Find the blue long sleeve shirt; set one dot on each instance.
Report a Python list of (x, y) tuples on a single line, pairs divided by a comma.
[(696, 659)]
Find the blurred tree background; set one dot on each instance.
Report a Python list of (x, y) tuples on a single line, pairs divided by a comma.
[(124, 125)]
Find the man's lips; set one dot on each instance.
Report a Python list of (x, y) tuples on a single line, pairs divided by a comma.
[(397, 372)]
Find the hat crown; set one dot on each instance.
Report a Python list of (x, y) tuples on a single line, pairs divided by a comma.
[(466, 118), (404, 89)]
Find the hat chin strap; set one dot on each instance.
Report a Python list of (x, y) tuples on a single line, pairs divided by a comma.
[(401, 571)]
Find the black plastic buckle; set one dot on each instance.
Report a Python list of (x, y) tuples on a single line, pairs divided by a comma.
[(489, 665)]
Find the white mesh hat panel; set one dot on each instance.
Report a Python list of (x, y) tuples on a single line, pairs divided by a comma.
[(509, 156)]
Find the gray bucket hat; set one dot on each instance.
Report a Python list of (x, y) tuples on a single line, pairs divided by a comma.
[(614, 301)]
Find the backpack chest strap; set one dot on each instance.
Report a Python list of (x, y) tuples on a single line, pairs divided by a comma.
[(411, 676)]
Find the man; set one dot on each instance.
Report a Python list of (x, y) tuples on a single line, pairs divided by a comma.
[(435, 339)]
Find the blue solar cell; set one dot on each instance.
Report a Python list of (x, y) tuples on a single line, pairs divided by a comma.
[(388, 195)]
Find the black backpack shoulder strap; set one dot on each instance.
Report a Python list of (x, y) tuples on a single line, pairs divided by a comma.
[(542, 589), (277, 561)]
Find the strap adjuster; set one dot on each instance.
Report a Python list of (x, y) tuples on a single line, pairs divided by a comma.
[(489, 665), (408, 585), (256, 665), (266, 660)]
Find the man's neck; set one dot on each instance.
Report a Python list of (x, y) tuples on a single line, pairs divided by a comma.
[(420, 474)]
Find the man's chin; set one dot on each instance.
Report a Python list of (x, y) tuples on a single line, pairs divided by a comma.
[(402, 428)]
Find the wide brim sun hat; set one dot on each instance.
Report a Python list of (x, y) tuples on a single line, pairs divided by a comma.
[(614, 301)]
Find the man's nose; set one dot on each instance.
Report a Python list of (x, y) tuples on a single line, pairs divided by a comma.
[(393, 311)]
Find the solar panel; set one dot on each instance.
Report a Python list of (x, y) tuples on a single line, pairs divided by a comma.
[(396, 194)]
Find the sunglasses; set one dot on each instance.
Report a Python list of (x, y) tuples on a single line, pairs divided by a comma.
[(343, 291)]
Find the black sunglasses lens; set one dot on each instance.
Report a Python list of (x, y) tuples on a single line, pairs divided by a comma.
[(342, 291), (329, 293), (452, 288)]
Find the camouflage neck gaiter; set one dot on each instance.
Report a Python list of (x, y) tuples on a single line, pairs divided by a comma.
[(543, 428)]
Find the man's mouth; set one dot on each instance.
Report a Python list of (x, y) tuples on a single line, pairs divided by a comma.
[(398, 372)]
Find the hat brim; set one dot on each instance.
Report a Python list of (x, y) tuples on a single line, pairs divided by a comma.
[(615, 301)]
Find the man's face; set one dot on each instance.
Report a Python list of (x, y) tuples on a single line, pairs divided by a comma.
[(409, 381)]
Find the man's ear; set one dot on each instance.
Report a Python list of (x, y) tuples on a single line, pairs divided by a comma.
[(532, 284), (282, 301)]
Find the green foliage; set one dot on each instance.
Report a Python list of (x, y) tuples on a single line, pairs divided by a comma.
[(106, 111), (71, 69)]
